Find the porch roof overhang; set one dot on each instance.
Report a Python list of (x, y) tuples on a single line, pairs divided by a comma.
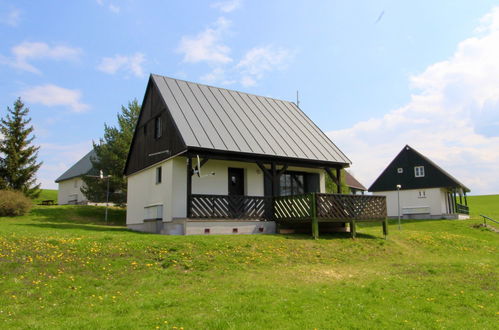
[(260, 158)]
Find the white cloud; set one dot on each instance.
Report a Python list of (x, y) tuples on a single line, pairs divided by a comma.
[(227, 6), (52, 95), (453, 117), (131, 64), (25, 52), (260, 60), (11, 18), (112, 7), (115, 9), (207, 46)]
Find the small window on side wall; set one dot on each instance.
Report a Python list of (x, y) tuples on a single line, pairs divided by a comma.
[(400, 170), (158, 175), (419, 171)]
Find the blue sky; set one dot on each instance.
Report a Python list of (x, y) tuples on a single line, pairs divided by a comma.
[(374, 75)]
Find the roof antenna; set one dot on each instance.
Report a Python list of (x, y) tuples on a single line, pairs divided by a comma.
[(297, 99)]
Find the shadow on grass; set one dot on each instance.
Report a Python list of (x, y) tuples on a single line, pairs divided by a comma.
[(330, 236), (78, 214), (88, 227)]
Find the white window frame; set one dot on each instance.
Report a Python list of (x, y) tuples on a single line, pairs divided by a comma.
[(419, 171), (400, 170)]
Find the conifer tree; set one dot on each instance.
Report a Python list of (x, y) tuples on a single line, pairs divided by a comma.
[(18, 163), (111, 154)]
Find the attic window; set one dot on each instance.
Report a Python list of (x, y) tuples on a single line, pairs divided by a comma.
[(400, 170), (419, 171), (157, 127)]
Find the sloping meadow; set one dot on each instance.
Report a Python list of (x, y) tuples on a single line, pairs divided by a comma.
[(72, 272)]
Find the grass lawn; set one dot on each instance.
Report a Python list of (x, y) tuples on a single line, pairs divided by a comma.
[(61, 267)]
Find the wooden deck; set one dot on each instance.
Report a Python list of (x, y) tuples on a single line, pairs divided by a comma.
[(310, 208)]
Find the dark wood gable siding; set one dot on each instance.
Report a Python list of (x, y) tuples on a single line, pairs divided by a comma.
[(144, 144), (407, 159)]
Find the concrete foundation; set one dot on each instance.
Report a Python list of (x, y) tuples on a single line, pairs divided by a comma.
[(205, 227)]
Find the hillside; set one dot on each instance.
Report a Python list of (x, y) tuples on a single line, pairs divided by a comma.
[(61, 268)]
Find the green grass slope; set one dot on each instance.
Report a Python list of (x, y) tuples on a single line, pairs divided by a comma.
[(60, 269), (487, 205), (46, 194)]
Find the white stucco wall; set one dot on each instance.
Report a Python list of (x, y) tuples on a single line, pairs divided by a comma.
[(434, 199), (68, 189), (143, 192), (171, 193)]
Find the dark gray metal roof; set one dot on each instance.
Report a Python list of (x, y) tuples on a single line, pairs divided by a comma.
[(228, 120), (80, 168)]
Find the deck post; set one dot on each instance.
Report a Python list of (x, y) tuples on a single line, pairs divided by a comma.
[(189, 186), (315, 222), (353, 230), (385, 227)]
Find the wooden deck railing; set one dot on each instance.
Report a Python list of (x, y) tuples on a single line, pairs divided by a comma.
[(327, 207), (230, 207), (462, 209)]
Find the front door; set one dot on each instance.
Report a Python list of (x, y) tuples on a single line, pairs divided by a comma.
[(236, 192)]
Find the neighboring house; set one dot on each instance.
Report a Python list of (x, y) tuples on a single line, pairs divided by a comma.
[(70, 182), (425, 190), (211, 160), (356, 188)]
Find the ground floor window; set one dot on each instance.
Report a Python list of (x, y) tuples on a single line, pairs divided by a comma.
[(294, 183)]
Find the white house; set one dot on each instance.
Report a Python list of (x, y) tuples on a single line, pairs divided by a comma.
[(423, 189), (206, 160), (70, 182)]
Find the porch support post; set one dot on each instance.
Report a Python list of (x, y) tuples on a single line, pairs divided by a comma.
[(189, 186), (353, 229), (460, 199), (465, 199), (315, 221), (275, 182), (454, 201), (338, 177)]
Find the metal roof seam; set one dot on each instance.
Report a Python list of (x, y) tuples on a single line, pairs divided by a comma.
[(264, 124), (215, 114), (303, 130), (304, 151), (183, 115), (324, 136), (242, 121)]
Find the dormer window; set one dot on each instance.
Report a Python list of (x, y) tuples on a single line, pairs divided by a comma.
[(419, 171)]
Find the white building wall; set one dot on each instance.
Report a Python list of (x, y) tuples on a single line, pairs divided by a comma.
[(172, 192), (143, 192), (433, 199), (69, 190)]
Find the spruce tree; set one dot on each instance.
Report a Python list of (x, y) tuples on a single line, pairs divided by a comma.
[(18, 165), (111, 154)]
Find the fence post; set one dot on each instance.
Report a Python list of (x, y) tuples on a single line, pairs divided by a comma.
[(315, 222), (385, 227)]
